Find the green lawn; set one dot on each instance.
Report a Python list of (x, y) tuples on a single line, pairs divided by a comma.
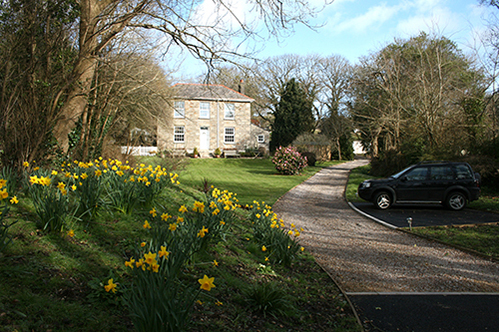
[(251, 179)]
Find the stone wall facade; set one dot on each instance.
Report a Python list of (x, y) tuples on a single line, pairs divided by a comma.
[(207, 132)]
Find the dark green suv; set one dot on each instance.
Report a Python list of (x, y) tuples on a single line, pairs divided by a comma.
[(450, 183)]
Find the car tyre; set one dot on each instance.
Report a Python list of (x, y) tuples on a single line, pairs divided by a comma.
[(456, 201), (383, 200)]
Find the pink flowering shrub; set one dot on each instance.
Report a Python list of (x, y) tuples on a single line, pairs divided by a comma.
[(288, 161)]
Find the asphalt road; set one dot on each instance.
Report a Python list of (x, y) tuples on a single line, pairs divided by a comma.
[(426, 215), (427, 312)]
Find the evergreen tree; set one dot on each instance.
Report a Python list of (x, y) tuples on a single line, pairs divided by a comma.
[(293, 116)]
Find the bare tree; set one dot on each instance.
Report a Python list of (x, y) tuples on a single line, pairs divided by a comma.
[(412, 93), (101, 21)]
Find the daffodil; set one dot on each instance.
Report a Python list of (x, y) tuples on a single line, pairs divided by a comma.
[(215, 263), (198, 207), (264, 248), (146, 225), (111, 286), (140, 263), (71, 233), (207, 283), (14, 200), (163, 252), (182, 209), (34, 179), (172, 227), (142, 244), (203, 232), (153, 212), (4, 194), (165, 216), (130, 263), (150, 258), (25, 164), (54, 172)]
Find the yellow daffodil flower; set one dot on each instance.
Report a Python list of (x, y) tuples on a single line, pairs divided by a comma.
[(4, 194), (150, 258), (130, 263), (111, 286), (163, 252), (146, 225), (14, 200), (203, 232), (207, 283)]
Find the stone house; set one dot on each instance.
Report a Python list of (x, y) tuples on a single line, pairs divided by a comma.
[(208, 117)]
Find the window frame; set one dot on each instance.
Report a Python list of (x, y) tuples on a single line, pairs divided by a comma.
[(260, 138), (227, 109), (177, 134), (201, 115), (176, 108), (233, 135)]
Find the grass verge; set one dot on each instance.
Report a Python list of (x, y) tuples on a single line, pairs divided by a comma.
[(55, 281)]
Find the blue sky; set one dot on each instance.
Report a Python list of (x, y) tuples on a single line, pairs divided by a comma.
[(355, 28)]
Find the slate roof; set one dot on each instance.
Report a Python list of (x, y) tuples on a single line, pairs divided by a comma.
[(210, 92)]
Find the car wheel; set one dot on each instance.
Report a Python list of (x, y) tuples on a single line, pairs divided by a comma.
[(456, 201), (383, 200)]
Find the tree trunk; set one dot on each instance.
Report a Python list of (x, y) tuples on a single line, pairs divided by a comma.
[(83, 73)]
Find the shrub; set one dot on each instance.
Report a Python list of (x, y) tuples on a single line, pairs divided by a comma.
[(311, 158), (288, 161)]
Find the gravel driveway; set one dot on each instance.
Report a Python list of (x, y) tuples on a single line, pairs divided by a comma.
[(363, 256)]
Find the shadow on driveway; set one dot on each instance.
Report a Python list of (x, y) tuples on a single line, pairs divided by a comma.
[(427, 215)]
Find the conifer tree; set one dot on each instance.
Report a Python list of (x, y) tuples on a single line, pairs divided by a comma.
[(293, 116)]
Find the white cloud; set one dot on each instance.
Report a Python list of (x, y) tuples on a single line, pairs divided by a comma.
[(440, 21), (374, 17)]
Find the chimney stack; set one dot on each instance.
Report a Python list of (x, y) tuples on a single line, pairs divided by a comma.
[(241, 86)]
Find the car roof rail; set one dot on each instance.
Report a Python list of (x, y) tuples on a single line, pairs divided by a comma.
[(432, 162)]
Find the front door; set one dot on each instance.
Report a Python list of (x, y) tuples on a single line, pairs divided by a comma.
[(204, 138)]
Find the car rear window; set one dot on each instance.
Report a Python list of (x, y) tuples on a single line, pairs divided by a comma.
[(463, 172)]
